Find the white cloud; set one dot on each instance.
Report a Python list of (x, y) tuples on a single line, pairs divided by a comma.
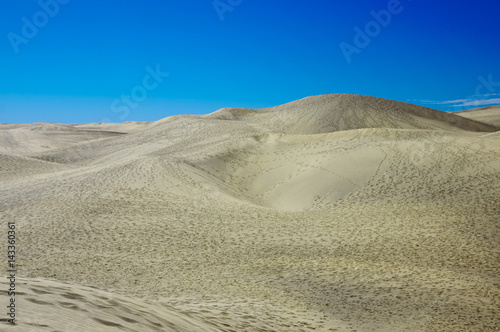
[(477, 102), (471, 101)]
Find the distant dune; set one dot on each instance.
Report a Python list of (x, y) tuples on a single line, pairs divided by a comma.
[(38, 137), (330, 213), (336, 112), (489, 115)]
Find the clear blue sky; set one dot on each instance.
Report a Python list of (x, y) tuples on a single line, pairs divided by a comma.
[(91, 61)]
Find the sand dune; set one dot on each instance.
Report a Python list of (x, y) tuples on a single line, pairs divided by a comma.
[(53, 306), (331, 213), (489, 115), (329, 113), (23, 139), (123, 127)]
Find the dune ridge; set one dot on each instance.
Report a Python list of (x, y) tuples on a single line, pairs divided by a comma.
[(488, 114), (336, 112), (331, 213)]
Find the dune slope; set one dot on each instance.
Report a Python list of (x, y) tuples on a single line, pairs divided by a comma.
[(332, 213), (488, 114)]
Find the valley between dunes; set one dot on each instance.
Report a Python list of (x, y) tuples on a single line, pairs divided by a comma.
[(330, 213)]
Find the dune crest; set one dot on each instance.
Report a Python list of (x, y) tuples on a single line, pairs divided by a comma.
[(489, 115), (330, 213), (337, 112)]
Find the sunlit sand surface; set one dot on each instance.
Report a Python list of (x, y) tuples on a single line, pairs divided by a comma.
[(331, 213)]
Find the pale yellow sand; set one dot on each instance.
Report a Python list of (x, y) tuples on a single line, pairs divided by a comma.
[(332, 213), (47, 305), (488, 114), (123, 127)]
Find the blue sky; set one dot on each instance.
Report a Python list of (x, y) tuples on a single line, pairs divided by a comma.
[(75, 61)]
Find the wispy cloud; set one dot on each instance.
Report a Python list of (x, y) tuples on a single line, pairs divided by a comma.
[(476, 102), (471, 101)]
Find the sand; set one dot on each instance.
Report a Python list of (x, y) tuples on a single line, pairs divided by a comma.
[(331, 213), (489, 115)]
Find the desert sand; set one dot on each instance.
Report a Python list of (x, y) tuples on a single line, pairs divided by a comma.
[(330, 213), (488, 114)]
